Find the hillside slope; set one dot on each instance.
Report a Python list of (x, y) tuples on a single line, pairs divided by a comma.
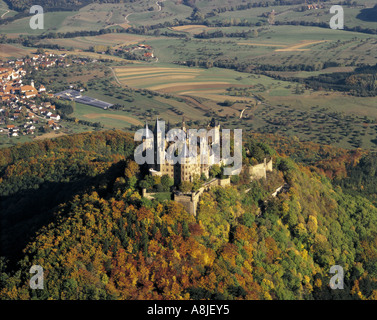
[(20, 5), (107, 242)]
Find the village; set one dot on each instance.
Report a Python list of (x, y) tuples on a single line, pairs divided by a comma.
[(23, 106)]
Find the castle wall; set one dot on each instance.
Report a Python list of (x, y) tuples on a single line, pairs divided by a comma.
[(147, 195), (259, 171), (190, 202), (269, 166)]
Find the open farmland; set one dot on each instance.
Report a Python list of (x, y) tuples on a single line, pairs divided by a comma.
[(5, 11), (9, 51), (273, 61), (97, 16), (110, 119), (281, 46), (209, 84), (107, 40), (53, 22)]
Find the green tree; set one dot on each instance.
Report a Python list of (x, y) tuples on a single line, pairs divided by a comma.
[(166, 182), (186, 186)]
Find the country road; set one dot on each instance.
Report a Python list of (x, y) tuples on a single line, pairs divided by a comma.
[(115, 76), (2, 16), (126, 17), (158, 5), (242, 112)]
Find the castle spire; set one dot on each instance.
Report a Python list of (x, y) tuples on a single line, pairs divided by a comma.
[(183, 124), (146, 130)]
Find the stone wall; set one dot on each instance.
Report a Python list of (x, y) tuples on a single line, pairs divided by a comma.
[(147, 195), (259, 171), (190, 202)]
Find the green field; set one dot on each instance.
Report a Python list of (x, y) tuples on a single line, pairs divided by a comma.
[(110, 119), (209, 84), (111, 40), (165, 87), (5, 12), (323, 45), (97, 16), (52, 23)]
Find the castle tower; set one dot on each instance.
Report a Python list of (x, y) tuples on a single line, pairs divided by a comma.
[(148, 139), (183, 124), (159, 144)]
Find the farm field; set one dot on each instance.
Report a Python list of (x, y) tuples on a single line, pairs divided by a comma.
[(53, 21), (209, 84), (17, 51), (170, 10), (167, 88), (138, 107), (110, 119), (275, 45), (111, 40), (97, 16), (91, 17), (5, 12), (178, 79), (289, 13), (10, 51), (316, 122)]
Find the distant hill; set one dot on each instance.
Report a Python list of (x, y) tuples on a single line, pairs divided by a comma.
[(53, 5)]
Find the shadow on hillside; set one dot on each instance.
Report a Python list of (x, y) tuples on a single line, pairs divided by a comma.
[(369, 14), (24, 213)]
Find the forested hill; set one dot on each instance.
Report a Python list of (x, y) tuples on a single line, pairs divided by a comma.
[(20, 5), (37, 177), (104, 241)]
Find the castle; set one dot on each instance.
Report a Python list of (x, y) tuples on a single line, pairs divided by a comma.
[(189, 165)]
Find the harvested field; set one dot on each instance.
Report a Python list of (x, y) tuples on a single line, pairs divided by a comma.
[(189, 27), (284, 48), (201, 87), (300, 46), (215, 95), (260, 44), (8, 51), (211, 84), (187, 85), (113, 40), (50, 135), (113, 116)]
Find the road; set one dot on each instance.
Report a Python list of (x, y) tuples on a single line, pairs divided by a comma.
[(2, 16), (158, 5), (126, 17), (242, 112), (115, 76)]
